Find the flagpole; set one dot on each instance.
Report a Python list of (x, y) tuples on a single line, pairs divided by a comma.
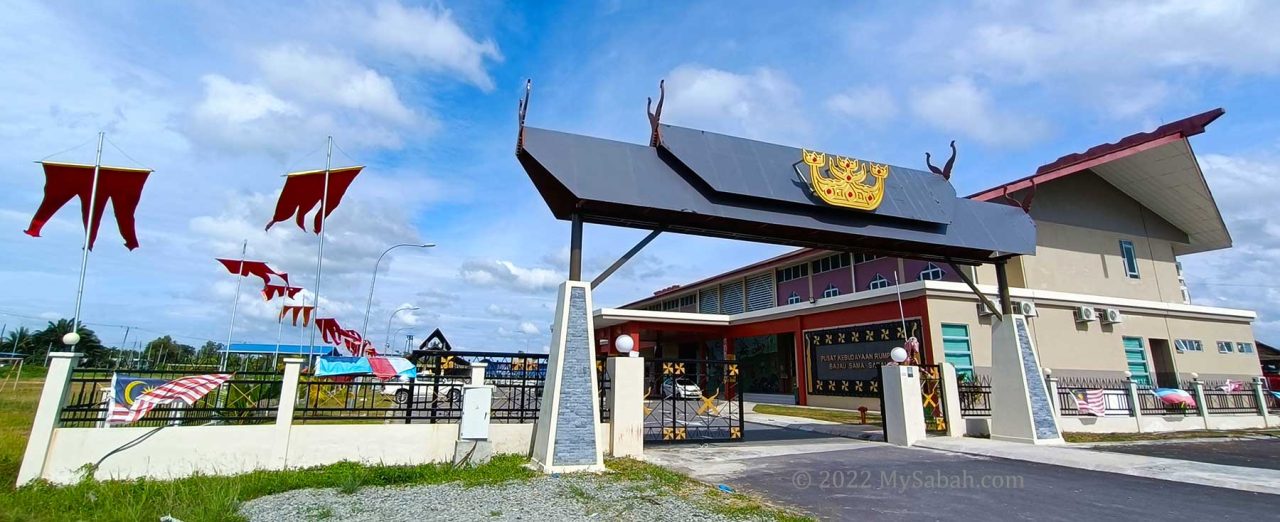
[(235, 304), (324, 209), (88, 228), (279, 332)]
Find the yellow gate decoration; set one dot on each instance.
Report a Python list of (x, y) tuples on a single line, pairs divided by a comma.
[(846, 184)]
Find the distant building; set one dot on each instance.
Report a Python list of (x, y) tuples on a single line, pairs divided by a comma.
[(1105, 291)]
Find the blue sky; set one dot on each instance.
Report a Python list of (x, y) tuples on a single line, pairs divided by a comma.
[(222, 97)]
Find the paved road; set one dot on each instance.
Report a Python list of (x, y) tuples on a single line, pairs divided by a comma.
[(1263, 453), (842, 479)]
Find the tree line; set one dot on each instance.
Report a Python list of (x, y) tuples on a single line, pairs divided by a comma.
[(160, 353)]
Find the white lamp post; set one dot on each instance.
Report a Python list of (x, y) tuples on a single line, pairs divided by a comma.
[(899, 355), (364, 330), (71, 339), (393, 316)]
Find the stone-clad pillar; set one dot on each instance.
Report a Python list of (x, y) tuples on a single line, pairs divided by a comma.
[(1021, 408), (566, 438)]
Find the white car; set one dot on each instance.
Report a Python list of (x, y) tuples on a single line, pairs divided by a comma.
[(681, 388), (398, 389)]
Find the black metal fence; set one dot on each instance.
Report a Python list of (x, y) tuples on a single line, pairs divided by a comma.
[(425, 399), (975, 396), (247, 398)]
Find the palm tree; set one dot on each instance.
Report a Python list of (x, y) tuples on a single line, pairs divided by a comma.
[(50, 339), (17, 341)]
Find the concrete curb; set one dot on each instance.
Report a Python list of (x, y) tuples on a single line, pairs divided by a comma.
[(1216, 475)]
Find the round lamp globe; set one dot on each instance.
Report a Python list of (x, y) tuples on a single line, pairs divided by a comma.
[(899, 355), (71, 339), (624, 344)]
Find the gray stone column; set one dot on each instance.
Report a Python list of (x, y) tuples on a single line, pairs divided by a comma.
[(1021, 410), (1197, 386), (1261, 396), (566, 437), (1135, 407)]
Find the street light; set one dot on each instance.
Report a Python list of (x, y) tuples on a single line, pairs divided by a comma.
[(364, 330), (393, 316)]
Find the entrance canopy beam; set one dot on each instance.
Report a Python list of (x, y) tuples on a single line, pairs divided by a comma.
[(625, 257), (981, 296)]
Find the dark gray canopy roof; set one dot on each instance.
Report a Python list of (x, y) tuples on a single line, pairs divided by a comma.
[(708, 184)]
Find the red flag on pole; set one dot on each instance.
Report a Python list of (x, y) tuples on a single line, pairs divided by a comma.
[(121, 185), (295, 310), (271, 291), (303, 191), (254, 268)]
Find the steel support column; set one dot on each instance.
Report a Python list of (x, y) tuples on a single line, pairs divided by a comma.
[(1002, 281), (575, 249)]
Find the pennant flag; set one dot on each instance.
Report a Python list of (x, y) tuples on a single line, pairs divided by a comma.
[(186, 390), (334, 334), (254, 268), (1090, 402), (303, 191), (295, 310), (120, 185), (271, 291)]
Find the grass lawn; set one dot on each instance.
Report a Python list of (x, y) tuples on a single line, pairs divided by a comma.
[(219, 498), (840, 416), (1198, 434)]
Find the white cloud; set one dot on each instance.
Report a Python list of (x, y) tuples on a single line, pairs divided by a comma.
[(962, 107), (432, 37), (326, 78), (865, 103), (1245, 190), (498, 311), (506, 274), (761, 104), (528, 328)]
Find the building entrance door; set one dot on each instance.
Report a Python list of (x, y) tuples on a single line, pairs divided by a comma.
[(1162, 361)]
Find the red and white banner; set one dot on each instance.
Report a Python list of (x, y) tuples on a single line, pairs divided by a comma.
[(121, 186), (271, 291), (187, 390), (302, 193), (253, 268), (304, 311)]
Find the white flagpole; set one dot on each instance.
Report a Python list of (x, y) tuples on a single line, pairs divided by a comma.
[(279, 332), (235, 304), (88, 227), (324, 209)]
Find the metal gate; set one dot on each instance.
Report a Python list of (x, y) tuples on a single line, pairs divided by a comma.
[(692, 400), (931, 397)]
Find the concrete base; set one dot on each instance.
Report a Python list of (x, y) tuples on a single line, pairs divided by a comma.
[(1021, 408), (472, 452)]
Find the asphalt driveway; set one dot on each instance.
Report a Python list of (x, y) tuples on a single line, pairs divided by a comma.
[(1258, 453), (843, 479)]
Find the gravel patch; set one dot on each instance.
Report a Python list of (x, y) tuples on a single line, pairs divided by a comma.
[(556, 498)]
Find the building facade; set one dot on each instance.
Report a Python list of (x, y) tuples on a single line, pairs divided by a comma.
[(1104, 291)]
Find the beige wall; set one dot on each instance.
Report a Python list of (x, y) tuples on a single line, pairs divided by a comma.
[(1084, 349), (1088, 261)]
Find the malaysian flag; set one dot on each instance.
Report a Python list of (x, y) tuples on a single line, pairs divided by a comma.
[(1090, 402), (1232, 386), (188, 390)]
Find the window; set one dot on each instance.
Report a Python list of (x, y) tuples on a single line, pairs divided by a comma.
[(1224, 347), (1190, 345), (793, 272), (1136, 357), (793, 298), (878, 282), (1130, 256), (956, 349), (830, 263), (831, 291), (1244, 347), (688, 300), (931, 273), (863, 258)]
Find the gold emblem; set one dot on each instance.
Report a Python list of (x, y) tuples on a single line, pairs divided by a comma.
[(845, 186)]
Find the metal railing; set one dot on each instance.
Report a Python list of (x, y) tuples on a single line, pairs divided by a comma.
[(975, 396), (1115, 400), (247, 398), (425, 399)]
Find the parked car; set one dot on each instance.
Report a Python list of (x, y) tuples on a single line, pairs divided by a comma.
[(681, 388), (398, 389), (1271, 374)]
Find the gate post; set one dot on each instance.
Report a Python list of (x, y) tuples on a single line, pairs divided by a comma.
[(903, 409), (1021, 409), (626, 404), (565, 438), (52, 397), (951, 401)]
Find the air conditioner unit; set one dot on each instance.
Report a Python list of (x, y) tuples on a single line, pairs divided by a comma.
[(1111, 316), (1025, 308), (983, 311), (1085, 314)]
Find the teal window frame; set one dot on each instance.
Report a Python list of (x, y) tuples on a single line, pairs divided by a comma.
[(957, 349), (1130, 255), (1135, 357)]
